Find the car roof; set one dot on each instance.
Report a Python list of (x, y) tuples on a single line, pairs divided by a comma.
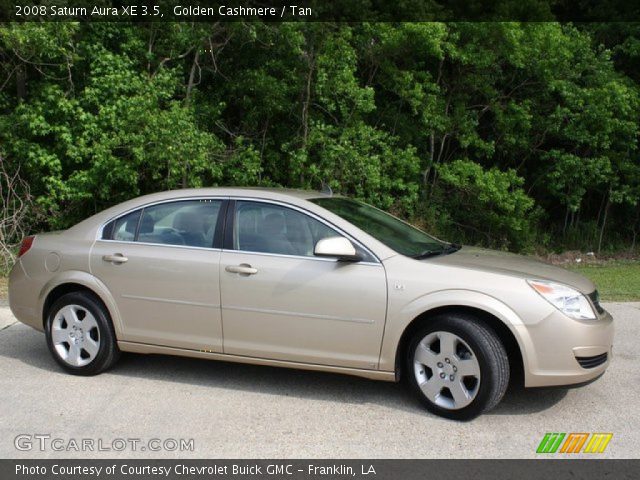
[(264, 192), (272, 193), (282, 194)]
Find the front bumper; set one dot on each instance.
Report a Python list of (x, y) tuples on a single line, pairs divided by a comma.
[(561, 351)]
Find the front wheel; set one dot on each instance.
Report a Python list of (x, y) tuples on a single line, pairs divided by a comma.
[(79, 334), (457, 366)]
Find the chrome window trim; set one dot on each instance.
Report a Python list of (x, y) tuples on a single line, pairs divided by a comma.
[(312, 215)]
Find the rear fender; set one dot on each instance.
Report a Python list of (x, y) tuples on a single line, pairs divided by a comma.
[(88, 281)]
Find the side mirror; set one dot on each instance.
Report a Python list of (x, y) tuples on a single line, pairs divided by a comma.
[(337, 247)]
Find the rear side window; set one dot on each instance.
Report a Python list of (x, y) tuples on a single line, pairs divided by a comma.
[(189, 223)]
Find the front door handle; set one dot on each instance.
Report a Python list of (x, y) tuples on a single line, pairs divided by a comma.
[(116, 258), (243, 269)]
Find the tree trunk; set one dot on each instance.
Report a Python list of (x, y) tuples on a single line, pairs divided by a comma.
[(427, 170), (600, 209), (634, 230), (192, 76), (21, 81), (304, 116), (604, 221), (187, 100), (436, 162)]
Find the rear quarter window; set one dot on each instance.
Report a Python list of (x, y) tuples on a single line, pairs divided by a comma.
[(123, 228)]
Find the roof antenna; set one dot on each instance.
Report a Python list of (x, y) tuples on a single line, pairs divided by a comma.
[(326, 189)]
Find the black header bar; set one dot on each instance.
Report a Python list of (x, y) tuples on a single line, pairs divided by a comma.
[(320, 10)]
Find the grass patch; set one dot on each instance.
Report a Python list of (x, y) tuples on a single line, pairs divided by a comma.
[(617, 281)]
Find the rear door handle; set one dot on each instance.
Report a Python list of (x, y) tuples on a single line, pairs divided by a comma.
[(116, 258), (243, 269)]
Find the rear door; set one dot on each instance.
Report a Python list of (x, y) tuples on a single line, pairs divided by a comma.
[(281, 302), (161, 264)]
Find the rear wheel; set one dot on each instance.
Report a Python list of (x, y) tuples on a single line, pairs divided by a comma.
[(457, 366), (79, 334)]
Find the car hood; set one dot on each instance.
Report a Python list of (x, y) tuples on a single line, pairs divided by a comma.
[(514, 265)]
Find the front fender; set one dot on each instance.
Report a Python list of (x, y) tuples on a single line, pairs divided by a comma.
[(400, 320), (90, 282)]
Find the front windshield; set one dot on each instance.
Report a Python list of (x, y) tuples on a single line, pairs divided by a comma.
[(393, 232)]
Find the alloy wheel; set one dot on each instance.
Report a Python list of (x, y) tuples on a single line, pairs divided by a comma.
[(446, 370), (75, 335)]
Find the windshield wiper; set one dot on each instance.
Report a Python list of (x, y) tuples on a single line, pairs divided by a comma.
[(428, 253), (451, 248)]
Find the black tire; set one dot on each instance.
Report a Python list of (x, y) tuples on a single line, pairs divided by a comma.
[(108, 352), (490, 354)]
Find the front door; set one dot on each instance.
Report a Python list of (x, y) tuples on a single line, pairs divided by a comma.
[(160, 266), (281, 302)]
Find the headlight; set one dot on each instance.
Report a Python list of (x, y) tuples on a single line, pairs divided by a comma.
[(569, 301)]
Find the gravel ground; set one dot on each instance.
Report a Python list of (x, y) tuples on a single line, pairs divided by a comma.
[(241, 411)]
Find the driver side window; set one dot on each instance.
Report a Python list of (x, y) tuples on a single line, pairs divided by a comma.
[(269, 228)]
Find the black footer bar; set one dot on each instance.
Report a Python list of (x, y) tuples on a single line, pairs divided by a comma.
[(278, 469)]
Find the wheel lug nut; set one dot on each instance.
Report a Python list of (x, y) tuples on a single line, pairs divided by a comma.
[(455, 369), (447, 360), (440, 365), (442, 375), (452, 377)]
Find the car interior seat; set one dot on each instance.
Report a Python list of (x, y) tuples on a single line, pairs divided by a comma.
[(190, 226), (274, 234)]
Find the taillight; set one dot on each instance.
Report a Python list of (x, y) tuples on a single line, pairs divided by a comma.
[(26, 245)]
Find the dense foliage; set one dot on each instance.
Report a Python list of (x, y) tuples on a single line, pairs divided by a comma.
[(510, 135)]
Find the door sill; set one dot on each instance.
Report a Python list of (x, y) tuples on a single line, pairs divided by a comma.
[(135, 347)]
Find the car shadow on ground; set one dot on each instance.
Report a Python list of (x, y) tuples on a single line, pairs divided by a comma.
[(30, 348)]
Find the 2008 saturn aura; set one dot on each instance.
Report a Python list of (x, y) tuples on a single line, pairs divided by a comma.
[(307, 280)]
